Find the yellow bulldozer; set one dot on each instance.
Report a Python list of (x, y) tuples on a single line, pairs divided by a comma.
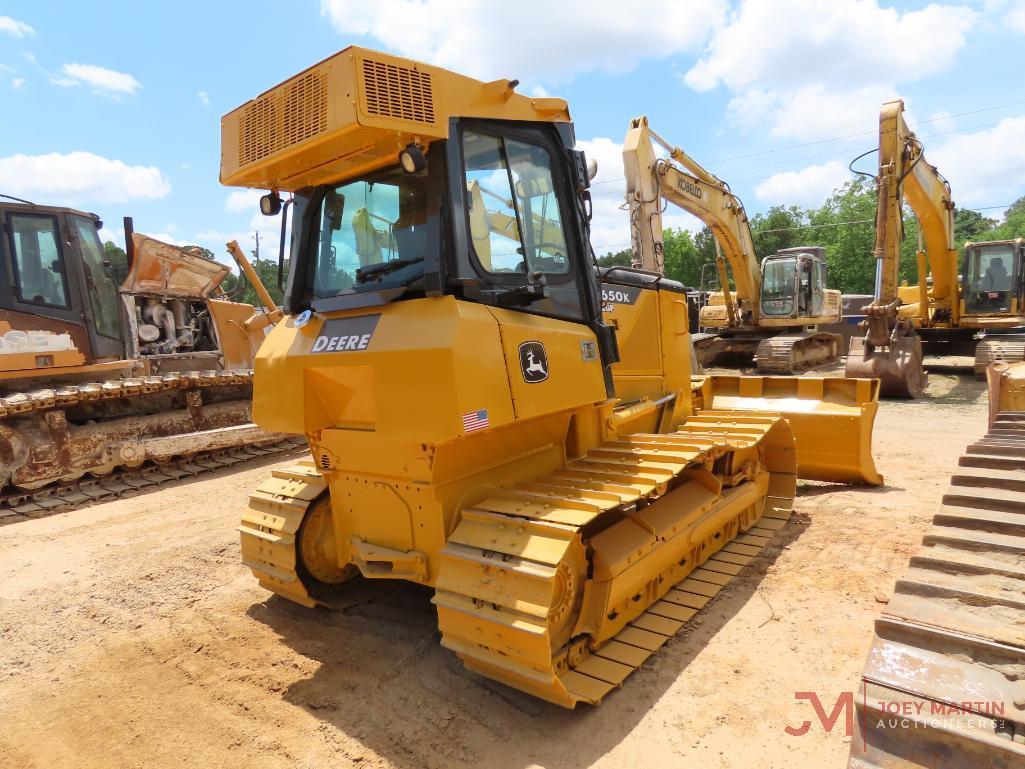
[(108, 388), (489, 414)]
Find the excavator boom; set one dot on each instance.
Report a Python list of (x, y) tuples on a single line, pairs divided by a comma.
[(890, 350)]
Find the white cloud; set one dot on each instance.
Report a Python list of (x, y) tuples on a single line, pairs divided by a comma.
[(17, 82), (790, 43), (537, 40), (1015, 17), (117, 237), (807, 187), (610, 223), (978, 175), (15, 27), (164, 237), (79, 176), (204, 98), (103, 79), (269, 228), (809, 69), (811, 112), (241, 201)]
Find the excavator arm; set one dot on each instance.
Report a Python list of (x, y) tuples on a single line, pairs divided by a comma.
[(650, 179), (890, 349), (905, 174)]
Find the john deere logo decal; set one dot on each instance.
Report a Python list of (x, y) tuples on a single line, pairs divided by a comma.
[(533, 362)]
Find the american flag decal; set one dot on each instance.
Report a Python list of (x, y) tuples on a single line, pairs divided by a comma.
[(476, 420)]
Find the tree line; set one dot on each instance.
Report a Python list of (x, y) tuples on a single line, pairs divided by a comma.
[(844, 225)]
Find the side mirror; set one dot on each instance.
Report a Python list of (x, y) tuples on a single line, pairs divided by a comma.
[(270, 204), (334, 205)]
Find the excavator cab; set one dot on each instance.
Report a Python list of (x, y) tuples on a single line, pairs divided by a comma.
[(992, 279), (794, 283)]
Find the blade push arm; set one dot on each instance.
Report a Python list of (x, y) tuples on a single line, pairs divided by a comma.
[(650, 180)]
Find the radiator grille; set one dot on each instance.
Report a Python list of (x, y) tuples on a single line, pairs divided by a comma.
[(283, 118), (398, 92)]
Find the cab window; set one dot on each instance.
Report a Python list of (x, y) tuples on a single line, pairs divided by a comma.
[(373, 232), (103, 294), (514, 219), (38, 265)]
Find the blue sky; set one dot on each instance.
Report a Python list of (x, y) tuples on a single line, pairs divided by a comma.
[(115, 107)]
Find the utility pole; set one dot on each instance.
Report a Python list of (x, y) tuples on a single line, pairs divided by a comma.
[(256, 253)]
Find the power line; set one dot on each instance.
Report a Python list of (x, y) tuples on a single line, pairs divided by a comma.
[(865, 133), (804, 158), (811, 226)]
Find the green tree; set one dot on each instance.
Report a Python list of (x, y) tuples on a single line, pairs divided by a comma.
[(682, 259), (1011, 226), (240, 290), (969, 224), (118, 260), (778, 228), (617, 259)]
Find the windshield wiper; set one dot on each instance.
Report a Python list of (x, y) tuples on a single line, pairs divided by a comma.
[(380, 270)]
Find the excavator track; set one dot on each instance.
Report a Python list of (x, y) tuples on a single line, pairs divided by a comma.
[(60, 498), (944, 683), (635, 521), (998, 348), (791, 353)]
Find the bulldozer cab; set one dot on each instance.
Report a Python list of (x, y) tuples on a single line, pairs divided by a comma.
[(992, 278), (57, 281), (490, 216), (794, 283)]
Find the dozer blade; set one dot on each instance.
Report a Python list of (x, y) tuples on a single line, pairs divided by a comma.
[(898, 367), (832, 419)]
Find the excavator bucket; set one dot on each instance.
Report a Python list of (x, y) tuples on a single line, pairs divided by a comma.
[(831, 417), (898, 367)]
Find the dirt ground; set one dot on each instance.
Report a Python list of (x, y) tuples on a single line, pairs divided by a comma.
[(131, 636)]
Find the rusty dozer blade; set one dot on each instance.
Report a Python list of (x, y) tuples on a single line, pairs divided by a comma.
[(832, 419)]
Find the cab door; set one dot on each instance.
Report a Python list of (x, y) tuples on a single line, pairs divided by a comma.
[(101, 298), (530, 266)]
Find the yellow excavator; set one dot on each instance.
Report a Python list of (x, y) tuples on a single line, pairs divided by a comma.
[(943, 686), (108, 388), (477, 423), (945, 313), (776, 306)]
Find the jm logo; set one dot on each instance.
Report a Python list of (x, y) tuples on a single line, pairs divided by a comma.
[(533, 362), (844, 706)]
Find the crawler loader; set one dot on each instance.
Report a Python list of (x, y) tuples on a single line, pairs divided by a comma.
[(488, 413), (105, 388)]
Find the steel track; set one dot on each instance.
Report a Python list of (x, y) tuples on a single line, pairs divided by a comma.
[(20, 505)]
